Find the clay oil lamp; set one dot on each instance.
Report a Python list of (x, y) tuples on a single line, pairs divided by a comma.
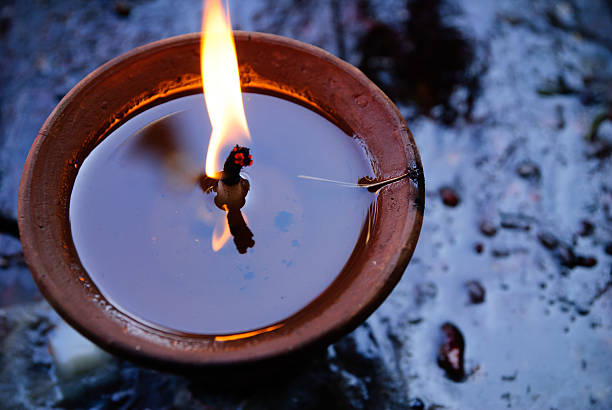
[(178, 229)]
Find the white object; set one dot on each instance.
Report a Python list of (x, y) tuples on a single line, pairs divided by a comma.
[(72, 353)]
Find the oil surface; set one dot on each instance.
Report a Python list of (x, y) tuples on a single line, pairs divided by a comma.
[(142, 226)]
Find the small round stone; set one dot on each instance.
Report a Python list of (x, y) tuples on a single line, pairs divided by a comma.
[(449, 197), (416, 404), (487, 228)]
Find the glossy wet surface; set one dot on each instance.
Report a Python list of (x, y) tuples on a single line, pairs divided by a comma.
[(143, 227), (522, 169)]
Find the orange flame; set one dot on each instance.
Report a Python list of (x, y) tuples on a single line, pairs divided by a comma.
[(221, 84)]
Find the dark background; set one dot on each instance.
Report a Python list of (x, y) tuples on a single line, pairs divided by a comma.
[(510, 105)]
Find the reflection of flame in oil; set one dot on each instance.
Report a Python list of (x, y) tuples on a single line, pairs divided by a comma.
[(245, 335), (221, 233), (221, 84)]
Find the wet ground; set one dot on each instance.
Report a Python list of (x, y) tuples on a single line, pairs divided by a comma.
[(510, 104)]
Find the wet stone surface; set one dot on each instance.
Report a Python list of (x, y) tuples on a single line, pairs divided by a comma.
[(511, 109)]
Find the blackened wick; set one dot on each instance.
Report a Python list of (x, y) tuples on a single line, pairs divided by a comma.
[(239, 157)]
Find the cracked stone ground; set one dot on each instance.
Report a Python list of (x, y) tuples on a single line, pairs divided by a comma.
[(510, 105)]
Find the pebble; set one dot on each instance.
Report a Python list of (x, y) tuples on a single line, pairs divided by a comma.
[(515, 221), (548, 240), (528, 170), (562, 15), (449, 197), (582, 310), (500, 253), (478, 247), (599, 149), (476, 292), (5, 25), (569, 259), (123, 8), (72, 353), (450, 355), (587, 228), (586, 261), (9, 226), (509, 378), (487, 228), (566, 255), (416, 404), (608, 248)]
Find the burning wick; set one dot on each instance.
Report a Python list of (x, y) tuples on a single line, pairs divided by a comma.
[(221, 83), (231, 191), (239, 157)]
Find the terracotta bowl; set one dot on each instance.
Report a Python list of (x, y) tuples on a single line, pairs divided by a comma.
[(168, 69)]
